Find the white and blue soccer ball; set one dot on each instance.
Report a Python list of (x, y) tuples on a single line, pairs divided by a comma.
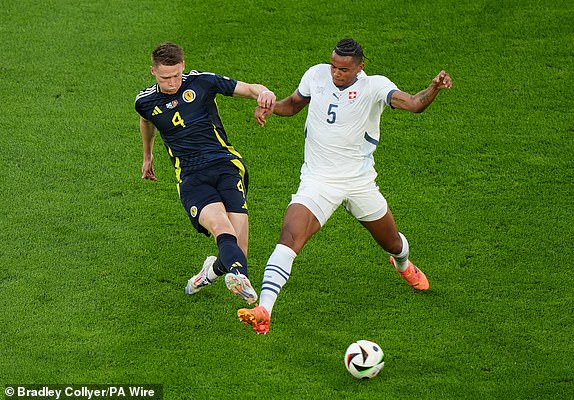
[(364, 359)]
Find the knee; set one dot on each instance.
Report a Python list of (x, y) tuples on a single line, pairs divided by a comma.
[(216, 223), (220, 227), (287, 239), (290, 240)]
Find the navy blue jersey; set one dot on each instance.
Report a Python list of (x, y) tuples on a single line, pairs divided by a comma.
[(188, 121)]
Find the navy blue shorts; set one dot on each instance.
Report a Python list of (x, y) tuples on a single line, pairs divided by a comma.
[(225, 182)]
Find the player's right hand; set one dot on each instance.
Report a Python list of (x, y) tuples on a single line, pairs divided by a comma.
[(261, 114), (147, 170)]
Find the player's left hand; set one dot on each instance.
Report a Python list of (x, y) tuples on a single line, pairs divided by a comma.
[(442, 81)]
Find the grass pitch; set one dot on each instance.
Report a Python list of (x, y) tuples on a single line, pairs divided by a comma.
[(93, 261)]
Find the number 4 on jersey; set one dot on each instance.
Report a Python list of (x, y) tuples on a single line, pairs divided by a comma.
[(177, 120)]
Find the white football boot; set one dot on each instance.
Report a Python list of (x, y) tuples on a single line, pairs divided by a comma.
[(239, 284), (200, 280)]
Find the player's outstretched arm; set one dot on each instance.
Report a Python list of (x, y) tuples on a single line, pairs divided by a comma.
[(287, 107), (265, 97), (147, 130), (419, 102), (290, 105)]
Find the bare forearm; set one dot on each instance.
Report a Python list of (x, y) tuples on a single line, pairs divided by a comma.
[(147, 131), (289, 106), (285, 108), (148, 148), (265, 97), (424, 98), (419, 102), (257, 90)]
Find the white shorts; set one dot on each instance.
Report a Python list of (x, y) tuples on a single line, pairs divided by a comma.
[(363, 200)]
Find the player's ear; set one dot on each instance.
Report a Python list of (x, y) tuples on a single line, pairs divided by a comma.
[(151, 70)]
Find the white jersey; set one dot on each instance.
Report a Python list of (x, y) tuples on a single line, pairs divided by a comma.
[(342, 127)]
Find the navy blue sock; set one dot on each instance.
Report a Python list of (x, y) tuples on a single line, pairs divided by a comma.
[(218, 268), (230, 256)]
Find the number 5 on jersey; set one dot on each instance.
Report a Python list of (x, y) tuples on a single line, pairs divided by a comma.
[(331, 113)]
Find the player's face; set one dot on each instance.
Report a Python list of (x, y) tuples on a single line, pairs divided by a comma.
[(344, 69), (168, 77)]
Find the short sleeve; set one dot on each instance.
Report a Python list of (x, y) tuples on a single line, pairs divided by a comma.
[(304, 88), (383, 88), (225, 86)]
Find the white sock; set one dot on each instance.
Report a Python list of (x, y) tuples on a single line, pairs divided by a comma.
[(402, 259), (211, 275), (277, 272)]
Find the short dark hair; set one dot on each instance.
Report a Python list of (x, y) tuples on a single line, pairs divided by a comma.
[(350, 48), (167, 54)]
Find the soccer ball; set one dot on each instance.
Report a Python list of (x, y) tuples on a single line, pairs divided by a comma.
[(364, 359)]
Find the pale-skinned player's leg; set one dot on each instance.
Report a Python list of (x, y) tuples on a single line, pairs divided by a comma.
[(239, 283), (231, 256), (224, 215), (240, 223), (213, 218)]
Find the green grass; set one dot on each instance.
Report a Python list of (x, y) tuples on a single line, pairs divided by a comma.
[(93, 260)]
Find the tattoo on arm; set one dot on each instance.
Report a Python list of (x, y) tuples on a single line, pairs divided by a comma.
[(424, 96)]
